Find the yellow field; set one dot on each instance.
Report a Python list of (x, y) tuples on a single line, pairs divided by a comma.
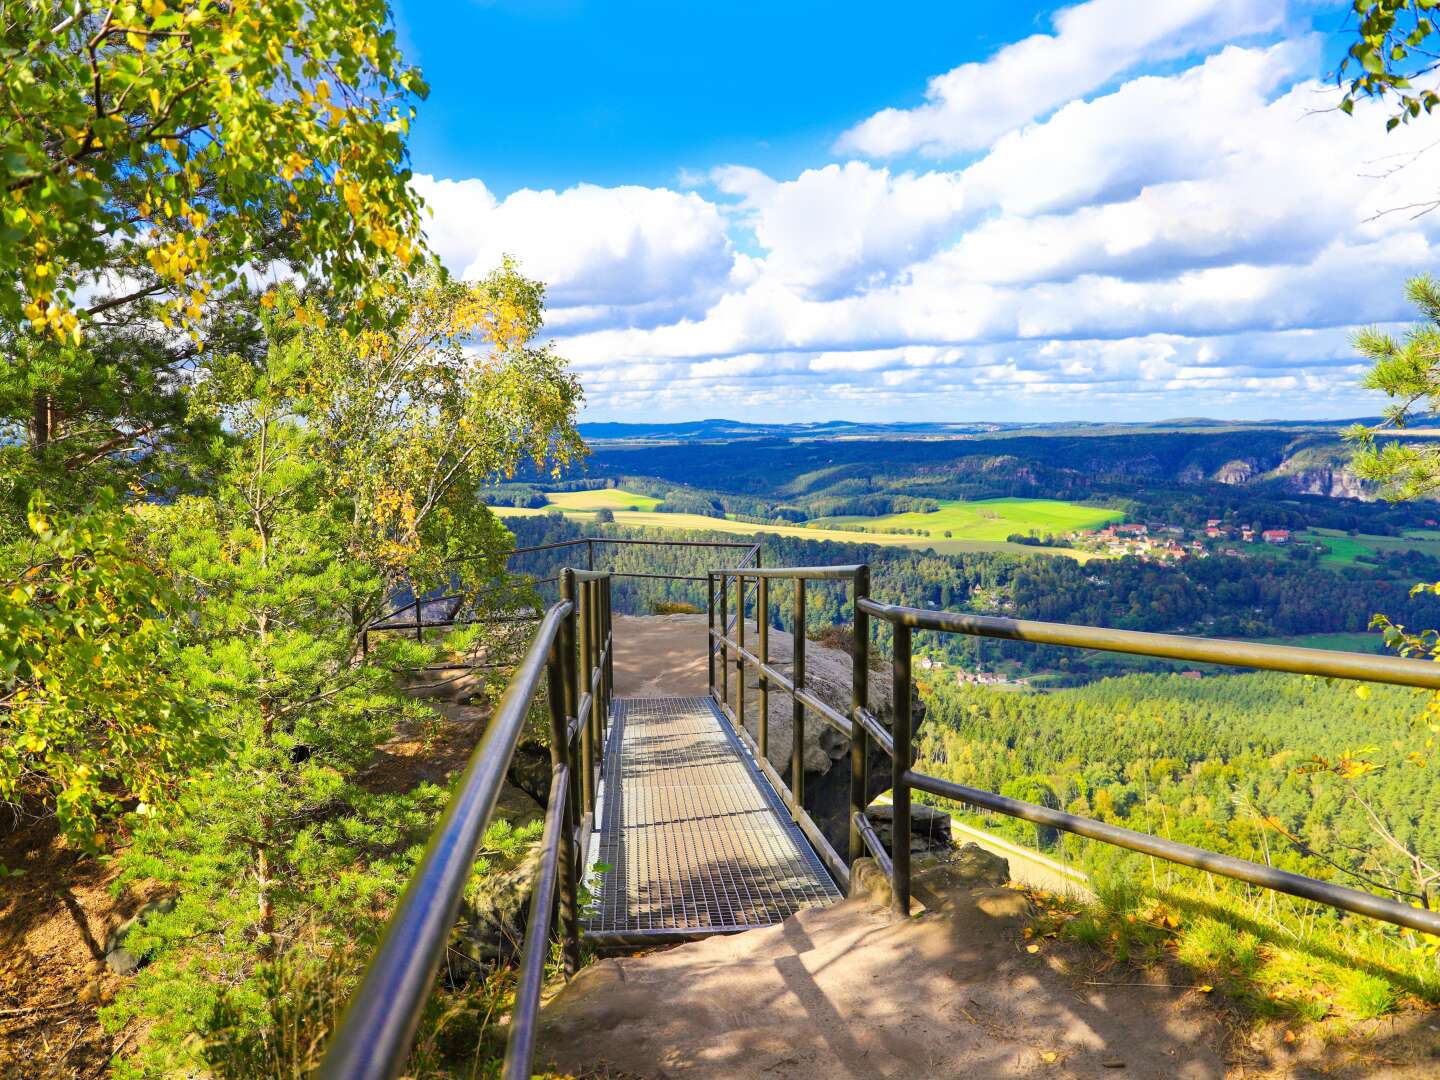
[(655, 520), (602, 499)]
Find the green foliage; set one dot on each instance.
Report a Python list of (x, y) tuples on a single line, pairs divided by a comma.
[(413, 416), (335, 486), (95, 707), (162, 138), (1266, 767), (168, 150), (302, 997), (1406, 371), (1394, 43)]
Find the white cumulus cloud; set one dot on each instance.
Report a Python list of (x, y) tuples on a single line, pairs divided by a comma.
[(970, 106), (622, 253)]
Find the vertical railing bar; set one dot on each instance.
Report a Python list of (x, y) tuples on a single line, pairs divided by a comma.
[(561, 753), (570, 638), (724, 638), (762, 621), (859, 700), (740, 656), (595, 678), (609, 654), (587, 665), (710, 637), (797, 715), (419, 630), (899, 786), (524, 1014)]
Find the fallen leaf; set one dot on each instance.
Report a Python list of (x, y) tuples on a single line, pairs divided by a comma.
[(1205, 989), (1049, 1056), (1032, 948)]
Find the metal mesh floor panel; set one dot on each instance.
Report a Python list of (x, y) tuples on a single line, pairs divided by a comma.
[(695, 838)]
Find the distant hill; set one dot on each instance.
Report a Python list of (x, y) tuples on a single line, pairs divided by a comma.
[(724, 430), (721, 429)]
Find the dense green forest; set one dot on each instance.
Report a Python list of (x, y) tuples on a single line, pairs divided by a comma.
[(1291, 771), (1216, 596), (1272, 476)]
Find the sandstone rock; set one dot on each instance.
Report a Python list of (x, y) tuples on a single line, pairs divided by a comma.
[(868, 883), (491, 925), (929, 827), (118, 958), (826, 754)]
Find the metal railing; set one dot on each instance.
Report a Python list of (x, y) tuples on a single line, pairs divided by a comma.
[(732, 649), (572, 649), (865, 730), (1286, 658), (415, 607)]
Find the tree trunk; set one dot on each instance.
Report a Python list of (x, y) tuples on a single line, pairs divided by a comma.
[(42, 421)]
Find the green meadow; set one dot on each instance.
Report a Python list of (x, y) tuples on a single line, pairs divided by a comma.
[(1344, 549), (602, 499), (985, 533), (990, 519)]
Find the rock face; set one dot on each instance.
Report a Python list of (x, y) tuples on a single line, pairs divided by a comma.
[(119, 958), (827, 752), (1335, 482), (929, 828), (1238, 471)]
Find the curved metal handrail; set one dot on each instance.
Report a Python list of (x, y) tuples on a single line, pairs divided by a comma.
[(374, 1037)]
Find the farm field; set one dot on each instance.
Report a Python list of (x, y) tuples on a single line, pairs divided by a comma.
[(658, 520), (602, 499), (1357, 642), (990, 519), (1345, 549)]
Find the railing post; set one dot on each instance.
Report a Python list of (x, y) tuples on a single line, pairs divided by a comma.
[(740, 656), (560, 756), (724, 637), (709, 637), (859, 699), (587, 667), (571, 645), (597, 668), (609, 614), (762, 620), (797, 715), (589, 553), (419, 630), (899, 789)]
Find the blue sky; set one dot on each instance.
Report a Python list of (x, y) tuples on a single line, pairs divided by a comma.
[(1113, 209), (550, 93)]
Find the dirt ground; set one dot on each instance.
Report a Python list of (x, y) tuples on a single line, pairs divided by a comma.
[(660, 656), (54, 918), (849, 992)]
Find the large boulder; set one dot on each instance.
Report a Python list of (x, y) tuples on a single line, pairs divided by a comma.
[(929, 827), (828, 674)]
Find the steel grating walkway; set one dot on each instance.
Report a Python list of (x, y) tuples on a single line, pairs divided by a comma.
[(695, 839)]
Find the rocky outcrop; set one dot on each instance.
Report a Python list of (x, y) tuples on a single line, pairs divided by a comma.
[(1337, 482), (929, 827), (1238, 471), (827, 752)]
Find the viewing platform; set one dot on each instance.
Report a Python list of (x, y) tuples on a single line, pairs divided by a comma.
[(695, 840)]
